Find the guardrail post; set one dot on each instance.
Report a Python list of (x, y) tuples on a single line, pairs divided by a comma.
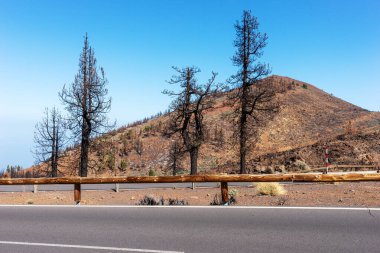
[(117, 187), (77, 193), (327, 162), (35, 188), (224, 189)]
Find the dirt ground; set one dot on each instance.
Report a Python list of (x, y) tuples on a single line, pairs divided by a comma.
[(363, 194)]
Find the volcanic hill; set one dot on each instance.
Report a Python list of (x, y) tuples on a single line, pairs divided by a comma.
[(308, 120)]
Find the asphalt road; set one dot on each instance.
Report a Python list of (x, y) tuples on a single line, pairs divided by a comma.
[(189, 229)]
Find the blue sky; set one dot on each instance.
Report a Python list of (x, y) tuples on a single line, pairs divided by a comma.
[(332, 44)]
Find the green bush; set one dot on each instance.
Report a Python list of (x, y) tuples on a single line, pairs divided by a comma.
[(304, 86), (123, 165), (233, 192), (152, 173), (110, 161)]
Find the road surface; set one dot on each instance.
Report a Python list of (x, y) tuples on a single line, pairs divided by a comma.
[(187, 229)]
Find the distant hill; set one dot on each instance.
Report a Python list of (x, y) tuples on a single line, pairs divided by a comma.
[(309, 119)]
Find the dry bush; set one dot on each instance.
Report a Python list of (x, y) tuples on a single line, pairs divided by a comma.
[(150, 200), (299, 165), (177, 202), (30, 202), (217, 201), (272, 189)]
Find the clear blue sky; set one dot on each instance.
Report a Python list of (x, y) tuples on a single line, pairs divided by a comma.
[(334, 44)]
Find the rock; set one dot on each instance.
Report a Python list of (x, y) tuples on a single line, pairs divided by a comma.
[(280, 168), (133, 198), (269, 170)]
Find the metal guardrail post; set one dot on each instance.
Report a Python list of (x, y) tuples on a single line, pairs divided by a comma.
[(77, 193), (35, 188)]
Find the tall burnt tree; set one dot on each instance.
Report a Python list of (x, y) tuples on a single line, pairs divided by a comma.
[(186, 119), (87, 103), (253, 99), (49, 137)]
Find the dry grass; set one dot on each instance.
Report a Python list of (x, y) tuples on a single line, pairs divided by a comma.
[(272, 189), (30, 202)]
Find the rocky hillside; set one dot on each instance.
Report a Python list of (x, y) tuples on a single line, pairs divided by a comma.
[(309, 119)]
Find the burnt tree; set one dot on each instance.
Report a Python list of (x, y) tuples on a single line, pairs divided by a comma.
[(186, 119), (49, 138), (87, 103), (174, 157), (252, 98)]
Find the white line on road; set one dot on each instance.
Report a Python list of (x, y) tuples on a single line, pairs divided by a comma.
[(204, 207), (86, 247)]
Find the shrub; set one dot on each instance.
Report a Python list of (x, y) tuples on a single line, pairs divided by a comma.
[(217, 201), (233, 192), (147, 128), (123, 165), (281, 201), (300, 165), (272, 189), (110, 162), (177, 202), (152, 173), (150, 200), (304, 86)]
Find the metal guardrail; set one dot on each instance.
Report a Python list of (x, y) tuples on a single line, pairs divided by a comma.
[(222, 179)]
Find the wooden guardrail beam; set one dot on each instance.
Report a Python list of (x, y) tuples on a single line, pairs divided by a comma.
[(355, 166), (299, 177), (223, 179), (346, 166)]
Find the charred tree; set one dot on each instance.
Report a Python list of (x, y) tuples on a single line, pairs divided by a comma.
[(49, 137), (174, 158), (87, 104), (186, 119), (253, 100)]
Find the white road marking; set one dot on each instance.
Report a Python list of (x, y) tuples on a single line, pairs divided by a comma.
[(204, 207), (86, 247)]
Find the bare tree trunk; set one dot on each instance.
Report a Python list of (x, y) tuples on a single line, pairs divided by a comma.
[(194, 161), (84, 153), (175, 166), (54, 168), (243, 143)]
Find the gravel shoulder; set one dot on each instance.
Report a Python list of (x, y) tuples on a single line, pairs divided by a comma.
[(358, 194)]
